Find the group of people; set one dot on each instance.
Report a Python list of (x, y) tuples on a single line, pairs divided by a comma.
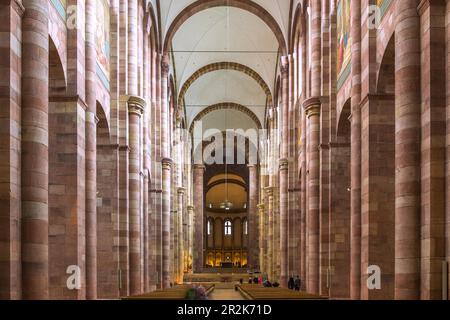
[(294, 284), (255, 280)]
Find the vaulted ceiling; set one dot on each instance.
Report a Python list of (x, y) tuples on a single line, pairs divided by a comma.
[(225, 34)]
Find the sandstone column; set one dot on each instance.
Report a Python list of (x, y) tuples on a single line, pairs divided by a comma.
[(448, 146), (166, 174), (166, 254), (262, 236), (135, 111), (147, 212), (181, 214), (253, 218), (432, 16), (407, 150), (355, 146), (91, 151), (312, 110), (312, 107), (199, 171), (283, 171), (303, 186), (190, 239), (269, 194), (35, 83), (11, 13), (124, 265), (324, 152)]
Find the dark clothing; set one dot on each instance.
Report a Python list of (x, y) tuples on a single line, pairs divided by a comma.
[(291, 284), (297, 284)]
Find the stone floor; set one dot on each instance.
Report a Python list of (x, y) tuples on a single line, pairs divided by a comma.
[(225, 291)]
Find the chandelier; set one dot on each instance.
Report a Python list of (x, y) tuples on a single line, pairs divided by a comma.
[(226, 204)]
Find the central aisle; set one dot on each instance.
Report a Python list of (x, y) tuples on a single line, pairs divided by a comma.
[(225, 291)]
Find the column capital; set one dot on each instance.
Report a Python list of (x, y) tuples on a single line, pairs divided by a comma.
[(181, 190), (136, 105), (147, 23), (165, 65), (425, 4), (18, 7), (166, 163), (261, 206), (190, 208), (124, 148), (284, 65), (283, 164), (312, 106), (199, 167), (269, 191)]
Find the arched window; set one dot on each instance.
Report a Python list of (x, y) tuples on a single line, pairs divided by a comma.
[(228, 228), (209, 227), (245, 227)]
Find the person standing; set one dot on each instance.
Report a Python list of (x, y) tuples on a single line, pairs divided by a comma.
[(297, 283)]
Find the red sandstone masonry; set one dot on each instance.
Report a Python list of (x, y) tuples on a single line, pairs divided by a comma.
[(10, 148), (355, 159), (433, 148), (35, 157), (91, 151), (407, 151), (198, 173)]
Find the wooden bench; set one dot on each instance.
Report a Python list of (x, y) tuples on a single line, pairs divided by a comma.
[(258, 292), (175, 293)]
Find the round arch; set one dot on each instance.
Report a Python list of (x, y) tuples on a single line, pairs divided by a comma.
[(247, 5), (298, 27), (154, 29), (225, 106), (225, 66)]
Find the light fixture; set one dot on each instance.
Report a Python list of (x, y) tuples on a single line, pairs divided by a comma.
[(226, 204)]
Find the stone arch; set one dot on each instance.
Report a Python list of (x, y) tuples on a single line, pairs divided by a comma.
[(223, 181), (57, 76), (154, 29), (225, 106), (250, 146), (343, 124), (247, 5), (57, 43), (386, 72), (103, 128), (297, 28), (225, 66), (210, 236)]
